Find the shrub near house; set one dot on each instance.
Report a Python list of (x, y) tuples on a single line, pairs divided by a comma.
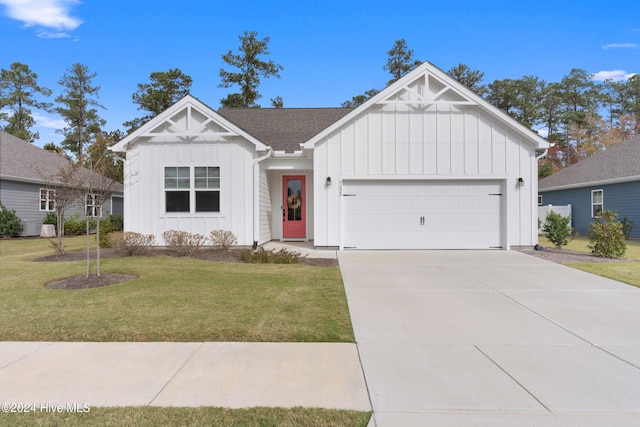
[(606, 236), (557, 229), (10, 224)]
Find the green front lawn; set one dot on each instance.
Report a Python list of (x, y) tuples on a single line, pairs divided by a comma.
[(201, 416), (173, 299), (626, 272)]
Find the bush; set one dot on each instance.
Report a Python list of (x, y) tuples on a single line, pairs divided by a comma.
[(130, 242), (222, 239), (117, 222), (51, 218), (627, 227), (75, 225), (183, 242), (108, 225), (606, 238), (263, 256), (10, 224), (557, 229)]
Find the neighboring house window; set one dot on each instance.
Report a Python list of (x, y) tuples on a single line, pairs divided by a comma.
[(47, 200), (539, 199), (92, 205), (179, 190), (597, 203)]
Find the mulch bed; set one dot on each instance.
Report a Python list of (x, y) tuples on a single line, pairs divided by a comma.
[(81, 255), (566, 256), (93, 281), (209, 254)]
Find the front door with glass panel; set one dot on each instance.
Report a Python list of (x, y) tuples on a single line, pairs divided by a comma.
[(294, 222)]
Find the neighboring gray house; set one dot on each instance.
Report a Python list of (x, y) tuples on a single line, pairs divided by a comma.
[(28, 176), (609, 180)]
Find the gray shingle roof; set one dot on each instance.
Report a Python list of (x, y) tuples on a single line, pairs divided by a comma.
[(283, 129), (617, 162), (24, 161)]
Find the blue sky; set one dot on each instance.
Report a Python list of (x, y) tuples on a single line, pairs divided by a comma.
[(330, 50)]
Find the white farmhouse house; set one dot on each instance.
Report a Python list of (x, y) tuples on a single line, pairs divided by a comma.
[(425, 164)]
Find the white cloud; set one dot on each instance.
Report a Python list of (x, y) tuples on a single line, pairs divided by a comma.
[(48, 121), (46, 13), (49, 35), (620, 46), (615, 75)]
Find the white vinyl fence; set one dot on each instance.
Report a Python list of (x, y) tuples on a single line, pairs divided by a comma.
[(543, 211)]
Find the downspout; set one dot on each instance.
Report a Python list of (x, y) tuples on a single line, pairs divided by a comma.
[(256, 196), (544, 153), (534, 205), (124, 199)]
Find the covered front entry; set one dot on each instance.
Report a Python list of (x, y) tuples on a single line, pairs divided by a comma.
[(294, 211), (392, 214)]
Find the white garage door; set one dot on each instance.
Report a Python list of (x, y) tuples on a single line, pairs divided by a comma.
[(421, 214)]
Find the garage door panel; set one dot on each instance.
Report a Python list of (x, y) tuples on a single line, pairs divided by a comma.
[(422, 214)]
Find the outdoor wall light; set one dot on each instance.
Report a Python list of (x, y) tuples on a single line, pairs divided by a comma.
[(520, 182), (328, 181)]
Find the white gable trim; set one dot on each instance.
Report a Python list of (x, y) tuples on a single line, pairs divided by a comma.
[(190, 104), (428, 70)]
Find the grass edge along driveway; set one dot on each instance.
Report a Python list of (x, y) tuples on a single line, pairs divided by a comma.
[(625, 272), (173, 299)]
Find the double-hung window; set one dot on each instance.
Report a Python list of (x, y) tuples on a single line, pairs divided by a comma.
[(92, 205), (181, 189), (207, 188), (47, 200), (177, 185), (597, 203)]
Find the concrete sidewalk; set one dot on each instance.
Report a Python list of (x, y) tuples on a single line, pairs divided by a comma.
[(492, 338), (233, 375)]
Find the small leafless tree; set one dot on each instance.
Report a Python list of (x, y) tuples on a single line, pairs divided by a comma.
[(65, 184), (98, 189)]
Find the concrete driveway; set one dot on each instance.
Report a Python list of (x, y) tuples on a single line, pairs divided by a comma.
[(497, 338)]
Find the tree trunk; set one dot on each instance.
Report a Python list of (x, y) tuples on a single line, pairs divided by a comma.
[(60, 232), (98, 246), (88, 245)]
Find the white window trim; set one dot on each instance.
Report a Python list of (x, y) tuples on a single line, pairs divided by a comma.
[(192, 191), (539, 199), (47, 200), (593, 204), (92, 206)]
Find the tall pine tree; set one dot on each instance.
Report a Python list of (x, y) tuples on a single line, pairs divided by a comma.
[(164, 89), (250, 69), (18, 90), (77, 106)]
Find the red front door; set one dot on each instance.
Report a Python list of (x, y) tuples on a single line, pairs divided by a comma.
[(294, 211)]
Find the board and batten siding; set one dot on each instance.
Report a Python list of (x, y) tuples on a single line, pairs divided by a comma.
[(401, 141), (622, 197), (144, 179)]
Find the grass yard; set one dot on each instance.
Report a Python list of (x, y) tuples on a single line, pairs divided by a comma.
[(202, 416), (626, 272), (173, 299)]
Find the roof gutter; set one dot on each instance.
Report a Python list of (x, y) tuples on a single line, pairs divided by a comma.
[(546, 150), (621, 180), (256, 196)]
